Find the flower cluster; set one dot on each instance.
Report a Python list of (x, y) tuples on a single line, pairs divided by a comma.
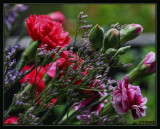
[(52, 74)]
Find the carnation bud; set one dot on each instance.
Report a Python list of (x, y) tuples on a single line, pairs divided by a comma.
[(111, 39), (30, 52), (130, 32), (150, 62), (111, 51), (122, 50), (145, 68), (96, 36)]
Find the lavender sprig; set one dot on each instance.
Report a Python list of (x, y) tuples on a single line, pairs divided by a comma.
[(29, 118), (80, 21), (11, 74), (118, 26), (11, 13)]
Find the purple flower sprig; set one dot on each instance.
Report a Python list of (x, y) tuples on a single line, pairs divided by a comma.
[(11, 77), (118, 26), (11, 74), (9, 56), (95, 119), (81, 27), (11, 12), (29, 118)]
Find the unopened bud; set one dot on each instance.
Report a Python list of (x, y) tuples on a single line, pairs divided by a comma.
[(151, 62), (122, 50), (111, 51), (130, 32), (96, 36), (145, 68), (111, 39)]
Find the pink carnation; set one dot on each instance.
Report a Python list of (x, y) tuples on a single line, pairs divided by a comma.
[(151, 61), (126, 97), (58, 16), (138, 27)]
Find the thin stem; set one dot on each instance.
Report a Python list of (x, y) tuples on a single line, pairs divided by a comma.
[(63, 113), (75, 39), (84, 108), (9, 110), (41, 78), (45, 115)]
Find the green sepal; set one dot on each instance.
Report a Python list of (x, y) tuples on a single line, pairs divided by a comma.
[(96, 36)]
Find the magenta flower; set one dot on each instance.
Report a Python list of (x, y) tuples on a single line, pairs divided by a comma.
[(150, 61), (126, 97), (120, 99), (137, 102)]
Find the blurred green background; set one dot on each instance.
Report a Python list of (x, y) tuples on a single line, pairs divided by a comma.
[(105, 15), (102, 14)]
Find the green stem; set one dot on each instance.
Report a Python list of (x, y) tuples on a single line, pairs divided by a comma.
[(45, 115), (63, 113), (75, 39), (9, 110)]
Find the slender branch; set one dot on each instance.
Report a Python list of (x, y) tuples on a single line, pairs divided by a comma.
[(84, 108), (63, 113), (75, 39)]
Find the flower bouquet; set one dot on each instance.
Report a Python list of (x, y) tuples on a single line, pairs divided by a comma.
[(71, 83)]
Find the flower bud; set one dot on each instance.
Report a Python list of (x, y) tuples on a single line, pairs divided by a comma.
[(130, 32), (150, 61), (96, 36), (111, 51), (111, 39), (30, 52), (145, 68), (122, 50)]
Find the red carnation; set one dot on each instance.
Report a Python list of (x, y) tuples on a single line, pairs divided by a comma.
[(43, 28), (40, 86), (11, 120)]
